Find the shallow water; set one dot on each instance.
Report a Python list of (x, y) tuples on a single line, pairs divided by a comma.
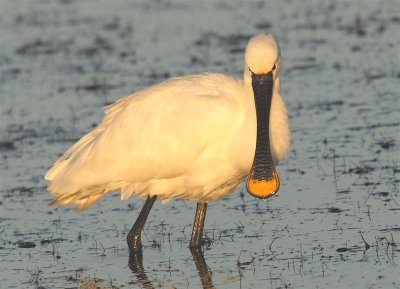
[(334, 222)]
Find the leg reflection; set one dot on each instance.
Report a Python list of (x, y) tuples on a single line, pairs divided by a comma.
[(136, 266), (204, 273)]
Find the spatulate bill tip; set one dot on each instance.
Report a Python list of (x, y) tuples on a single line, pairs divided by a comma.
[(263, 189)]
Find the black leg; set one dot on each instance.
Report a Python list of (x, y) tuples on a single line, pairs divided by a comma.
[(133, 238), (198, 225)]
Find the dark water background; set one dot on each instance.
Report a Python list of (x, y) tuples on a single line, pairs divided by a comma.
[(334, 222)]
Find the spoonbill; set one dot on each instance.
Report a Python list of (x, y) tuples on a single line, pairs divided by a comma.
[(195, 137)]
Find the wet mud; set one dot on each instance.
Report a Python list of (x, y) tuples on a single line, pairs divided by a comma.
[(334, 222)]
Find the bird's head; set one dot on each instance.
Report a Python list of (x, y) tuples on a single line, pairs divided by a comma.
[(261, 57), (262, 54)]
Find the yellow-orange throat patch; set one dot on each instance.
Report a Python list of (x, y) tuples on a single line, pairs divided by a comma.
[(263, 189)]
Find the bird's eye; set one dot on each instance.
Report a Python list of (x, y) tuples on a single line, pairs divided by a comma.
[(274, 67)]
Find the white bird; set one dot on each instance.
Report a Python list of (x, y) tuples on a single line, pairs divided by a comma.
[(195, 137)]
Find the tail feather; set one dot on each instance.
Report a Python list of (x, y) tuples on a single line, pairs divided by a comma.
[(65, 174), (82, 199)]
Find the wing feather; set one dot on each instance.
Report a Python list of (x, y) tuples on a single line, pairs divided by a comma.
[(152, 135)]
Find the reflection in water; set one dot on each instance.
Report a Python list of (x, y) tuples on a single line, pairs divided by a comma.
[(202, 268), (136, 266)]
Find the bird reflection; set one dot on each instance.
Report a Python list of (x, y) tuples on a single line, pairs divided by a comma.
[(136, 266), (202, 268)]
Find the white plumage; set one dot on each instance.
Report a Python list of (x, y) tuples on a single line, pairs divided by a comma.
[(189, 137)]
